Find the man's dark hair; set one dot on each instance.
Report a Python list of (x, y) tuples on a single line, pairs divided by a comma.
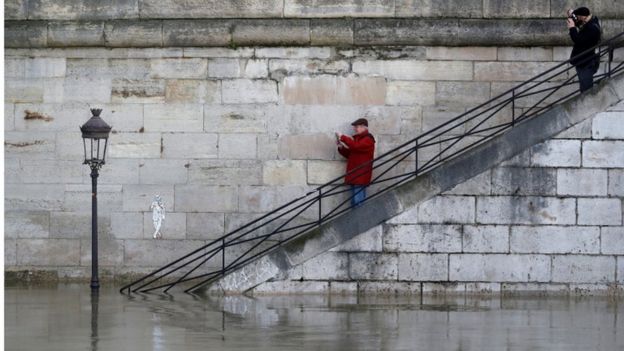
[(582, 11)]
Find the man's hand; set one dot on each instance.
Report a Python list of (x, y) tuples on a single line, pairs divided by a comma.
[(571, 23), (338, 135), (569, 13)]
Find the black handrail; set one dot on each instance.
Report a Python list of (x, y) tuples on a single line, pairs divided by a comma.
[(394, 168)]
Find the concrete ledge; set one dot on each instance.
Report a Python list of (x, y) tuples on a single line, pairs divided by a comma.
[(274, 266), (295, 32)]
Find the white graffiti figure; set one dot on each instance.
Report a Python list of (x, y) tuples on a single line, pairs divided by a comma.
[(158, 215)]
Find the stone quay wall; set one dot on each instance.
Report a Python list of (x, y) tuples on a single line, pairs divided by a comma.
[(226, 109)]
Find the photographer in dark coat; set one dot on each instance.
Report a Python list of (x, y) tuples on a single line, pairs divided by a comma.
[(585, 33)]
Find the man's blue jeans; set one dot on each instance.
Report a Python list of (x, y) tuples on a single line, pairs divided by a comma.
[(358, 195)]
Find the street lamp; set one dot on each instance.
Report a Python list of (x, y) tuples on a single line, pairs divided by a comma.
[(95, 140)]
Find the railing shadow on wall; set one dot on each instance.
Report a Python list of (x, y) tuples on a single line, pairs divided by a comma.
[(391, 169)]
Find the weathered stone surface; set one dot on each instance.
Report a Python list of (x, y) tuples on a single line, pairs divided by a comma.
[(499, 268), (176, 145), (595, 211), (583, 269), (607, 154), (179, 68), (9, 117), (67, 34), (271, 32), (388, 288), (332, 90), (616, 182), (126, 225), (138, 198), (478, 185), (512, 9), (204, 198), (161, 171), (612, 240), (237, 146), (291, 287), (210, 9), (48, 252), (138, 90), (294, 52), (204, 225), (321, 172), (114, 68), (265, 198), (198, 33), (553, 239), (525, 210), (608, 125), (110, 252), (33, 197), (440, 209), (461, 53), (581, 130), (582, 182), (173, 226), (88, 90), (152, 253), (508, 71), (525, 54), (69, 10), (15, 9), (123, 117), (133, 33), (331, 32), (369, 241), (557, 153), (524, 181), (352, 8), (23, 224), (429, 8), (243, 91), (284, 172), (423, 238), (416, 70), (174, 118), (373, 266), (78, 198), (23, 90), (486, 239), (10, 252), (423, 267), (237, 68), (50, 171), (405, 32), (21, 34), (119, 171), (280, 68), (311, 146), (135, 145), (217, 52), (327, 266), (225, 172), (238, 118), (461, 93), (410, 93)]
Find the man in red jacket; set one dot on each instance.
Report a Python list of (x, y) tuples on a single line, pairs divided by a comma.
[(359, 151)]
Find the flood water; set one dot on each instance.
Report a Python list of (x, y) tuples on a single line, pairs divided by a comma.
[(69, 317)]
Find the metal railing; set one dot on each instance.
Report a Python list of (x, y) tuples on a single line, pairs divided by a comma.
[(392, 168)]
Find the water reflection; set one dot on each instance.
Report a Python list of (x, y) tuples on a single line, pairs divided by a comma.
[(57, 318)]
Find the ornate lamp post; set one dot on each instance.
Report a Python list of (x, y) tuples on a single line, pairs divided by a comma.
[(95, 140)]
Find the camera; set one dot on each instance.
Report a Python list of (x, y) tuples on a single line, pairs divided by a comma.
[(573, 17)]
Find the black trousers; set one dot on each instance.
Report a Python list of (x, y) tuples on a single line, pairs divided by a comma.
[(586, 76)]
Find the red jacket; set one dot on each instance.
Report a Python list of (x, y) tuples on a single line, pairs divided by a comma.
[(361, 150)]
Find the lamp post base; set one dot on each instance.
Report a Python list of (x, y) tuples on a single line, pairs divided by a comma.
[(95, 284)]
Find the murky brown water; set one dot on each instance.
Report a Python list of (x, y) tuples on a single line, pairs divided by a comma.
[(68, 317)]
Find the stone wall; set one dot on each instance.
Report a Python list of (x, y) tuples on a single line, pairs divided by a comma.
[(548, 221)]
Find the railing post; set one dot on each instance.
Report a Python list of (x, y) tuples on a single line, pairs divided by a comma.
[(610, 60), (416, 157), (223, 256), (513, 107), (320, 208)]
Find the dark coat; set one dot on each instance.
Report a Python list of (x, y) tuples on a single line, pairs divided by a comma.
[(584, 38), (361, 150)]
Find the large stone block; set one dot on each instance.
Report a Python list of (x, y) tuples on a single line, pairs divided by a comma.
[(616, 182), (608, 125), (524, 181), (280, 68), (25, 34), (238, 68), (461, 93), (244, 91), (525, 210), (423, 267), (10, 252), (284, 172), (294, 52), (595, 211), (70, 10), (138, 198), (557, 153), (369, 241), (327, 266), (410, 93), (204, 225), (554, 239), (204, 198), (110, 252), (174, 118), (152, 253), (478, 185), (78, 198), (184, 145), (405, 31), (9, 116), (485, 238), (499, 268), (333, 90), (179, 68), (605, 154), (64, 34), (119, 171), (48, 252), (210, 9), (525, 54), (124, 117), (139, 33), (38, 145), (321, 172), (23, 90), (515, 9), (331, 32), (583, 269), (271, 32), (238, 118), (15, 9), (92, 90), (163, 171), (423, 238), (225, 172), (282, 287), (388, 288), (51, 171), (196, 33), (265, 198), (305, 147), (44, 67), (135, 145), (612, 240), (173, 226), (237, 146), (33, 197), (440, 209), (352, 8), (472, 53), (126, 225), (373, 266), (138, 90), (508, 71), (114, 68), (432, 8), (416, 70), (52, 117), (26, 224), (582, 182)]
